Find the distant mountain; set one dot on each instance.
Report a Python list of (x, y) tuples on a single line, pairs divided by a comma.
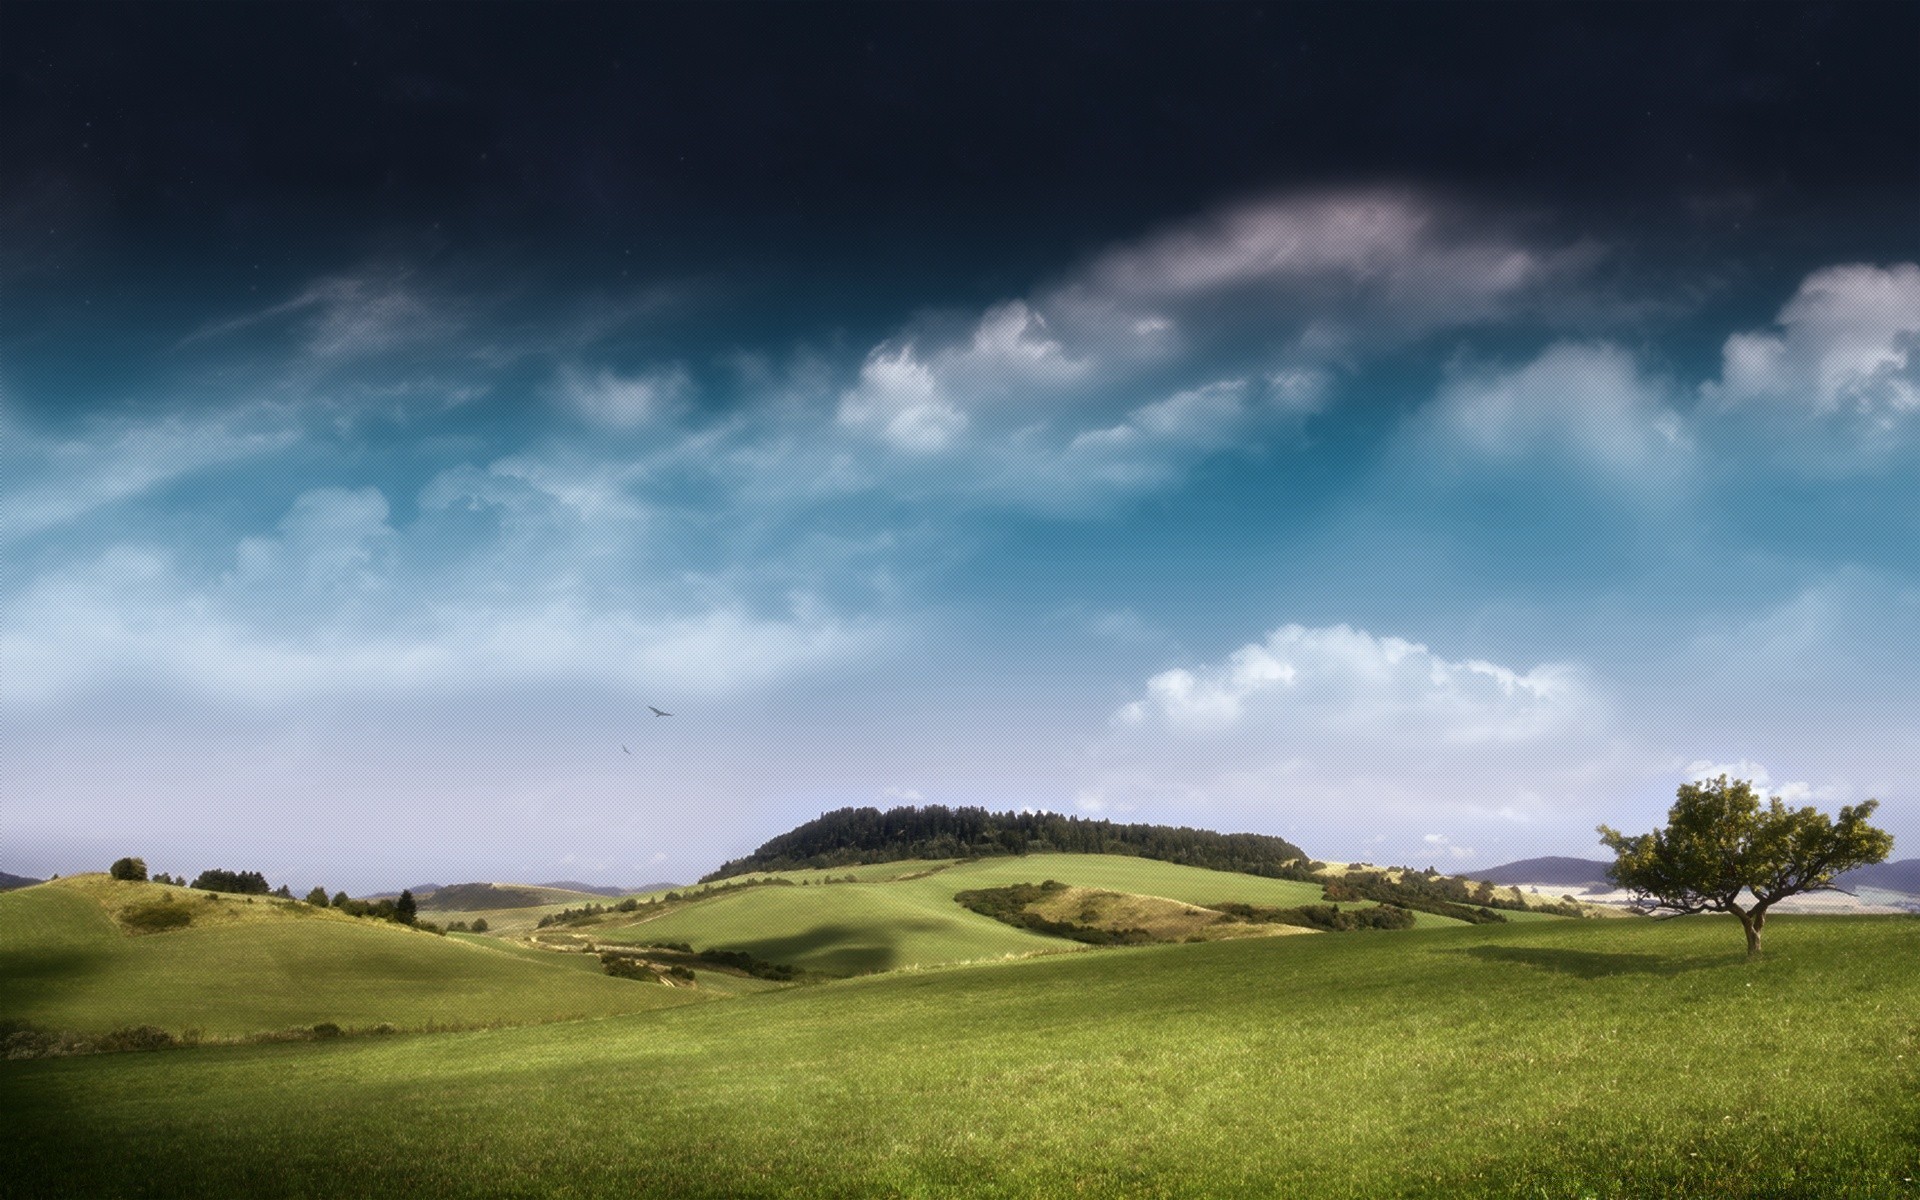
[(9, 882), (597, 889), (1902, 876), (1559, 871)]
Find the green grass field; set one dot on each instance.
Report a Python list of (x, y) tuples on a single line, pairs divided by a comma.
[(243, 968), (1547, 1059), (902, 918)]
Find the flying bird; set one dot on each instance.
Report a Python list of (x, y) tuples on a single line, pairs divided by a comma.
[(656, 712), (623, 747)]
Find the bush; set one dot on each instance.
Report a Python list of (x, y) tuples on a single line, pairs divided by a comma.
[(156, 916), (132, 870), (480, 925), (246, 883), (326, 1029), (136, 1037)]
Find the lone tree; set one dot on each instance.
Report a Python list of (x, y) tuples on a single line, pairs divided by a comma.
[(131, 869), (1722, 852)]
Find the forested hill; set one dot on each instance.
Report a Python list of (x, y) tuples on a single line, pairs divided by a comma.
[(848, 836)]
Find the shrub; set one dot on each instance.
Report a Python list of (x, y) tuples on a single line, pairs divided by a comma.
[(480, 925), (133, 870), (155, 916), (326, 1029), (136, 1037)]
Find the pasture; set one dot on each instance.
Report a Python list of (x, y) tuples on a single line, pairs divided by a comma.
[(1548, 1059)]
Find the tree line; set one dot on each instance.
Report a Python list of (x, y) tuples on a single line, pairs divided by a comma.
[(401, 909), (853, 836)]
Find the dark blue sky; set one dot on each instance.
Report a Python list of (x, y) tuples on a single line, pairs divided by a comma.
[(1422, 430)]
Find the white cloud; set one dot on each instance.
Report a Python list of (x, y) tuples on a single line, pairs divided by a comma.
[(1440, 842), (1354, 733), (1217, 332), (1588, 401), (52, 480), (1848, 343), (334, 539), (623, 402), (900, 400), (351, 316), (1338, 677), (1336, 266)]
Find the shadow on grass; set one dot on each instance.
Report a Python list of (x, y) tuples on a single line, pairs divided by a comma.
[(1587, 964), (837, 949), (29, 972)]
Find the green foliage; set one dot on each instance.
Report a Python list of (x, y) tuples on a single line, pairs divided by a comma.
[(480, 925), (1009, 905), (1422, 893), (156, 916), (250, 883), (133, 870), (317, 897), (405, 910), (1721, 845), (1329, 917), (849, 836)]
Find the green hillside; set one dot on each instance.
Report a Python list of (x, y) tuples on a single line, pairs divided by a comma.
[(1606, 1059), (902, 915), (250, 965)]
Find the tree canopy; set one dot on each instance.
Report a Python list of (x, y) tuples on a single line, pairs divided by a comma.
[(1722, 851), (848, 836)]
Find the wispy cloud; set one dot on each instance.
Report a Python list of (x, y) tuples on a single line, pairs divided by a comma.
[(55, 479)]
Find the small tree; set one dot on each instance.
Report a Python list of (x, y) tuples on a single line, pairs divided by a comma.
[(133, 870), (405, 910), (1722, 852), (317, 897)]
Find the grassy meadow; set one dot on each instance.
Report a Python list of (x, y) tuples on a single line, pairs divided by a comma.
[(905, 917), (239, 968), (1546, 1059)]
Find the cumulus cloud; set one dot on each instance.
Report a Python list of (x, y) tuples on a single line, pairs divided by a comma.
[(1359, 733), (1587, 401), (1219, 331), (902, 401), (1342, 678), (1848, 343)]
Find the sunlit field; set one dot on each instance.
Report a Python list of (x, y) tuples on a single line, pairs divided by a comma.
[(1555, 1059)]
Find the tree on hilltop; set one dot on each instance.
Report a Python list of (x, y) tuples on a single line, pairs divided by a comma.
[(132, 870), (1720, 846)]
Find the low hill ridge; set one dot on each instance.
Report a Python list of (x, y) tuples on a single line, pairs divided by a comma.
[(852, 836)]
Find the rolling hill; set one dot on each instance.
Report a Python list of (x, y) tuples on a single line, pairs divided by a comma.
[(889, 916), (88, 954), (1478, 1061)]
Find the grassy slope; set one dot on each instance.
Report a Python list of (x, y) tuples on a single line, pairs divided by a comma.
[(246, 968), (1573, 1059), (905, 918)]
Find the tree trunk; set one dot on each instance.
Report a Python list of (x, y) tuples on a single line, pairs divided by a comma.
[(1753, 921)]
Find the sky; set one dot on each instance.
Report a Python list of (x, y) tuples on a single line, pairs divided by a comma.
[(1423, 432)]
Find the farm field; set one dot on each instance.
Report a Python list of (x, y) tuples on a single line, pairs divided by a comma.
[(1555, 1059)]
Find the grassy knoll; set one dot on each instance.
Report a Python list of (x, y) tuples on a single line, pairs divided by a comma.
[(67, 962), (1566, 1059), (894, 917)]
